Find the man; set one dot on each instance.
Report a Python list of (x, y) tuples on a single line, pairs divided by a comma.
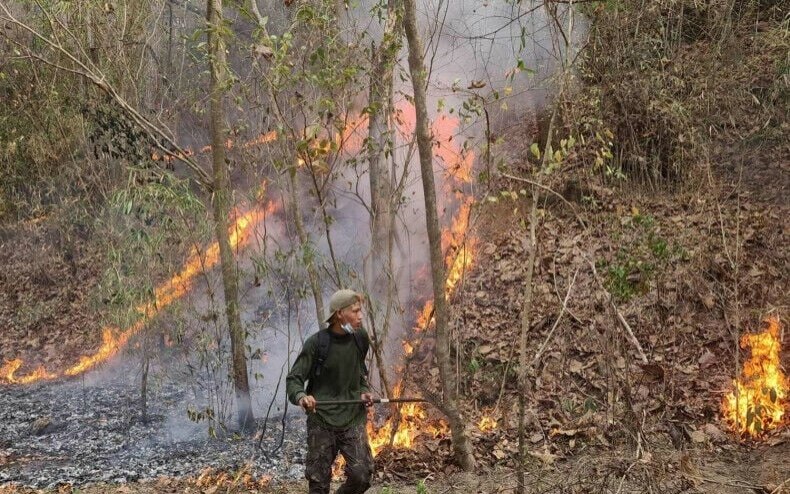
[(332, 364)]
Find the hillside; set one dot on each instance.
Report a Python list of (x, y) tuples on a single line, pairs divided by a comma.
[(662, 239)]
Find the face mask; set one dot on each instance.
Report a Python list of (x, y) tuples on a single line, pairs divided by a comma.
[(347, 328)]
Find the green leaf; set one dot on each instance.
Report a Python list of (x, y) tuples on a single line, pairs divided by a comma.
[(557, 156), (535, 150)]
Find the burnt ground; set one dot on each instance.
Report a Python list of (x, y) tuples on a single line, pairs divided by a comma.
[(89, 430)]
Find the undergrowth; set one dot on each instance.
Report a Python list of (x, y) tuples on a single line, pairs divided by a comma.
[(663, 83)]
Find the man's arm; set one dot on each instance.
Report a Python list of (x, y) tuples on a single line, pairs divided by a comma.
[(365, 393), (300, 373)]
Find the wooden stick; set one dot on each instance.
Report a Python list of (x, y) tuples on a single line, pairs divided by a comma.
[(375, 400)]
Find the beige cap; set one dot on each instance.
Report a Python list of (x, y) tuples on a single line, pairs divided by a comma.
[(342, 299)]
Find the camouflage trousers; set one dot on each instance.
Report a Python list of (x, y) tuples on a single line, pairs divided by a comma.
[(323, 444)]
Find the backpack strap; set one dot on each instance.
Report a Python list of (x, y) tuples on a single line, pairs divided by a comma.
[(362, 345), (322, 352)]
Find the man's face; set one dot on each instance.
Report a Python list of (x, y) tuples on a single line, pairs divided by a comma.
[(351, 315)]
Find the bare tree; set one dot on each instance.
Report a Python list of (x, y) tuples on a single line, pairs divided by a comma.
[(221, 196), (383, 192), (381, 186), (462, 447)]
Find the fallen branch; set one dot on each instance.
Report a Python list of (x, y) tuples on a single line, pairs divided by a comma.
[(619, 314), (556, 323)]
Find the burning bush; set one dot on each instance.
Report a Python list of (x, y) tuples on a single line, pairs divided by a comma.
[(757, 404)]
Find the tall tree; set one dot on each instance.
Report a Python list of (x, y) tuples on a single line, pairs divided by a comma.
[(221, 197), (381, 186), (462, 447), (383, 193)]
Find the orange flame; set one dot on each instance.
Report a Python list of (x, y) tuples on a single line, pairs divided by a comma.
[(459, 255), (757, 404), (164, 295), (263, 138), (486, 423), (10, 367)]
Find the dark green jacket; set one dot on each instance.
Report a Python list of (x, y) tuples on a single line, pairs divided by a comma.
[(342, 378)]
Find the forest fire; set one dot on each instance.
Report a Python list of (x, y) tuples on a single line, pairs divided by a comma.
[(486, 423), (757, 403), (459, 249), (165, 294), (262, 138)]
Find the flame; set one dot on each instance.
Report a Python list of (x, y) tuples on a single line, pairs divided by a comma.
[(10, 367), (486, 423), (211, 479), (109, 347), (462, 246), (114, 339), (459, 251), (263, 138), (757, 403)]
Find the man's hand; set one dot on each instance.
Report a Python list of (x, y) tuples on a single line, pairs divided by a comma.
[(307, 402), (367, 398)]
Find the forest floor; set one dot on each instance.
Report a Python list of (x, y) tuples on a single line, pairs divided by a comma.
[(600, 420)]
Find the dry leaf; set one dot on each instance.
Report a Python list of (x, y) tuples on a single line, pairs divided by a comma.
[(714, 432), (698, 436), (546, 457), (263, 50), (565, 432), (707, 359)]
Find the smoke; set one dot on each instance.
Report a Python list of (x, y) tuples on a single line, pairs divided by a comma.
[(474, 50)]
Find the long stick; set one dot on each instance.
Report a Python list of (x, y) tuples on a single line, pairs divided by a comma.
[(375, 400)]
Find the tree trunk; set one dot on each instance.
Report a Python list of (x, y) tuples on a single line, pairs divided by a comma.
[(526, 315), (144, 383), (304, 241), (382, 201), (449, 406), (381, 190), (221, 205)]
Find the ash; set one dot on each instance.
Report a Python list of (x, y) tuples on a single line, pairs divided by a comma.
[(77, 433)]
